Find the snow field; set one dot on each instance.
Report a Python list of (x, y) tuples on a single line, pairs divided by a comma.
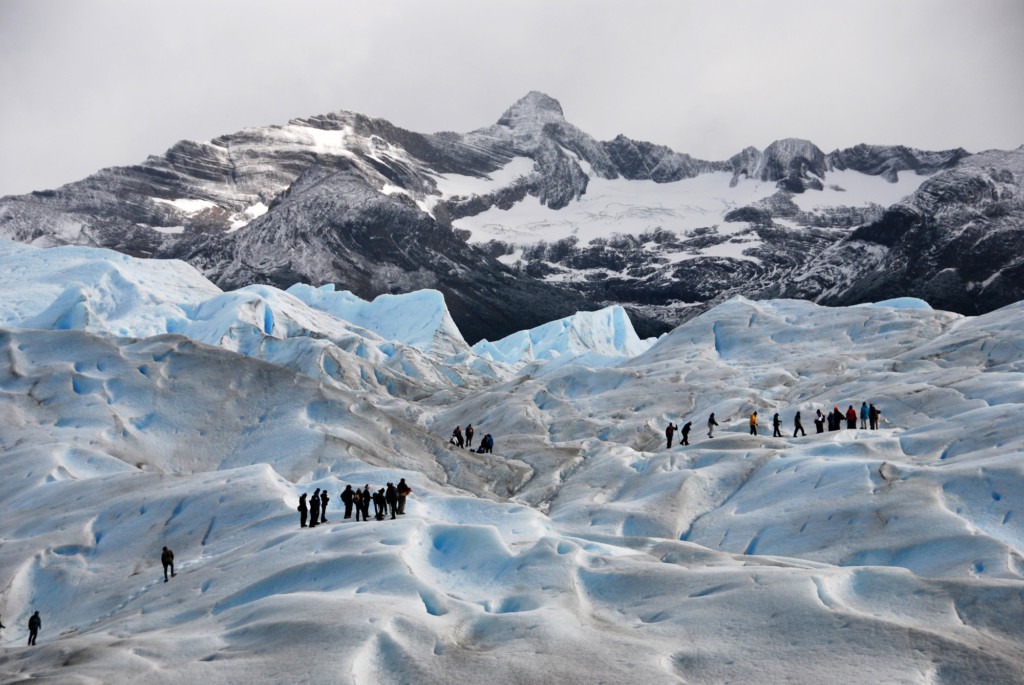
[(581, 551)]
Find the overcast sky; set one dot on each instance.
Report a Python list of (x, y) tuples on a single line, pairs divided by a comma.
[(86, 84)]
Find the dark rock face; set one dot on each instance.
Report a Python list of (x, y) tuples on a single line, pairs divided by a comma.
[(888, 160), (350, 200), (794, 164), (952, 243), (637, 160)]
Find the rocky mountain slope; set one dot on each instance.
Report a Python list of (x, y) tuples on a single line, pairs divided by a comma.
[(531, 219)]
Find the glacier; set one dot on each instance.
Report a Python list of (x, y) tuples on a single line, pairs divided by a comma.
[(142, 406)]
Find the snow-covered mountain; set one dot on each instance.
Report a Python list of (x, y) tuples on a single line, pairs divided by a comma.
[(142, 406), (531, 219)]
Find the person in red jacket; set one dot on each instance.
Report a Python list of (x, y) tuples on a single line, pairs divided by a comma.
[(851, 418)]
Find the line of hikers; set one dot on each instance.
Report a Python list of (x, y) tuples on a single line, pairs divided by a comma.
[(389, 499), (869, 416), (486, 443)]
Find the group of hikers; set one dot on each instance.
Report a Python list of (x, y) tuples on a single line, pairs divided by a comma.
[(486, 443), (869, 416), (386, 500)]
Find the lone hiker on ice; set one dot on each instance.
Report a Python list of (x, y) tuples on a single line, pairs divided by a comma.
[(34, 624), (668, 434), (711, 425), (469, 435), (753, 423), (167, 559), (686, 432)]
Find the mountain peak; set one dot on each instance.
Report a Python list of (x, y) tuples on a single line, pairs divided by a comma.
[(534, 106)]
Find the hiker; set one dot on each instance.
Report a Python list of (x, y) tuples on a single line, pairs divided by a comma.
[(324, 499), (314, 509), (379, 505), (487, 443), (457, 437), (837, 420), (669, 432), (819, 422), (391, 497), (851, 418), (686, 432), (346, 499), (711, 425), (303, 510), (873, 415), (776, 422), (167, 559), (357, 500), (753, 423), (864, 412), (403, 491), (34, 624), (364, 500), (798, 427), (469, 435)]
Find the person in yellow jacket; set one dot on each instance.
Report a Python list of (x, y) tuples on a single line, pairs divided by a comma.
[(753, 423)]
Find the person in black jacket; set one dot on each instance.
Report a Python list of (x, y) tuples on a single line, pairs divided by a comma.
[(303, 510), (314, 508), (357, 500), (346, 498), (167, 559), (34, 624), (403, 491), (364, 500), (324, 499), (776, 423), (798, 427), (391, 496), (686, 432)]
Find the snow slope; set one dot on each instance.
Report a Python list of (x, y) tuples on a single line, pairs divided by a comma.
[(581, 551)]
